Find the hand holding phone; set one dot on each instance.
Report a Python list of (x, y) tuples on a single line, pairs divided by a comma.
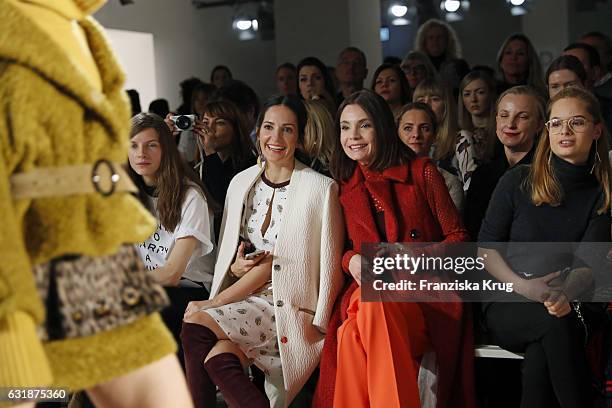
[(254, 254)]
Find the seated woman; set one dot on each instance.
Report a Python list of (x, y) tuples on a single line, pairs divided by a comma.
[(315, 82), (270, 309), (224, 150), (417, 67), (438, 97), (518, 64), (187, 143), (416, 127), (564, 196), (476, 141), (390, 83), (520, 114), (388, 195), (563, 72), (180, 254), (319, 136)]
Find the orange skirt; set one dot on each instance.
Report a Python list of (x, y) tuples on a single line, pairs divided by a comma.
[(379, 346)]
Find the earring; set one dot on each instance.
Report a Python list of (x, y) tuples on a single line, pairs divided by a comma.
[(597, 158)]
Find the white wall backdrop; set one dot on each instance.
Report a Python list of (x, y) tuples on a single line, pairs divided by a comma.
[(136, 54), (190, 42)]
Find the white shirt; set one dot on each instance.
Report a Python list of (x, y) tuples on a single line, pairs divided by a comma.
[(196, 221)]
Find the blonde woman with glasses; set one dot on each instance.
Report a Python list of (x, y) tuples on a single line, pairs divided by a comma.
[(563, 197)]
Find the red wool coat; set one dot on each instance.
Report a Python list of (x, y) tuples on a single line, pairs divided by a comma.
[(417, 208)]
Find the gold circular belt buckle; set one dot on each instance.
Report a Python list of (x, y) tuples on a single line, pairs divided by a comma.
[(96, 178)]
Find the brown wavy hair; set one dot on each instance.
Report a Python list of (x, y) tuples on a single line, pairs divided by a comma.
[(389, 150), (174, 176), (243, 150), (543, 183)]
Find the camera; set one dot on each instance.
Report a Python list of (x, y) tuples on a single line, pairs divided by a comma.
[(183, 122)]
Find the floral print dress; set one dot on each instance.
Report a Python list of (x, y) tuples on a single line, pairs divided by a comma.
[(250, 323)]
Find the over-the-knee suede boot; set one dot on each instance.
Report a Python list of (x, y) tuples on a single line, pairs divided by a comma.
[(197, 342), (237, 389)]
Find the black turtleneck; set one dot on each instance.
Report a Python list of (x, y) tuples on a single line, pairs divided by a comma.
[(513, 217), (484, 180)]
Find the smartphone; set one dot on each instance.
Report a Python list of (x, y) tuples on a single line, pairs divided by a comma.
[(254, 254)]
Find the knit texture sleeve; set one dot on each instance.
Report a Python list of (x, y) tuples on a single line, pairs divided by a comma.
[(24, 363), (442, 206), (21, 355)]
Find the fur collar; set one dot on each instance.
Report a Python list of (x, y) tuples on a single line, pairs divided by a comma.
[(22, 42), (71, 9)]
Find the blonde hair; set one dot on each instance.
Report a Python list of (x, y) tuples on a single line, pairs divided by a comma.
[(535, 75), (446, 136), (319, 134), (544, 185), (453, 47)]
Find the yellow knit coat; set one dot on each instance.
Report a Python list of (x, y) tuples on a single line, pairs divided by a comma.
[(50, 115)]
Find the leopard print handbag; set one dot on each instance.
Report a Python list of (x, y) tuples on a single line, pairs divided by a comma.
[(86, 295)]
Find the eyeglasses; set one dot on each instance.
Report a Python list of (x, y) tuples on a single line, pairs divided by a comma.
[(416, 70), (577, 124)]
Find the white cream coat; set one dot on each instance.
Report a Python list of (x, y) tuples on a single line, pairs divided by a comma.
[(306, 269)]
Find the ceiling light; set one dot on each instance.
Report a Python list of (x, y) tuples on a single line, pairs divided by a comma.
[(452, 5), (400, 21), (517, 2), (398, 10), (243, 25)]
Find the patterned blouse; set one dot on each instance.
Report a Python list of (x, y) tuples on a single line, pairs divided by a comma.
[(470, 151), (266, 199)]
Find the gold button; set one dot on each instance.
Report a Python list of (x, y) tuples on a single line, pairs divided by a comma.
[(131, 296)]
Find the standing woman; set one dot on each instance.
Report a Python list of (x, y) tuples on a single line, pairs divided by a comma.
[(439, 98), (564, 196), (518, 64), (180, 254), (65, 234), (271, 310), (476, 140), (390, 82), (388, 195), (438, 41), (314, 82)]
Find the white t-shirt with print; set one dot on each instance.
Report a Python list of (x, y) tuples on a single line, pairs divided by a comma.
[(196, 221)]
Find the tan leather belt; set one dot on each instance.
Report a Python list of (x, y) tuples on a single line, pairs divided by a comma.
[(103, 177)]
